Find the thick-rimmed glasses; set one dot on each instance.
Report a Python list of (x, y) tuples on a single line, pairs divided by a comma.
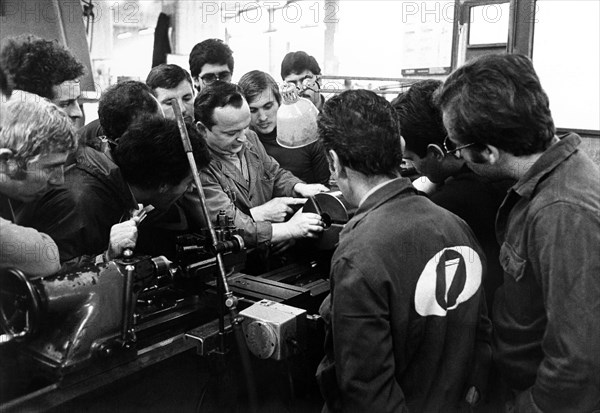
[(210, 78), (450, 147), (307, 82)]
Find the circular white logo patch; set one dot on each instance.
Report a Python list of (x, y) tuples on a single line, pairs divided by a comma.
[(451, 277)]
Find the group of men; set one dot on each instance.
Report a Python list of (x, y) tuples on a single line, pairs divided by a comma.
[(407, 320)]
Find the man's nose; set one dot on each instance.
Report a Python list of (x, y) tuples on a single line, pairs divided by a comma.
[(262, 115), (188, 109), (242, 136), (74, 111)]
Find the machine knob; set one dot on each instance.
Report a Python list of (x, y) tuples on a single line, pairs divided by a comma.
[(261, 339)]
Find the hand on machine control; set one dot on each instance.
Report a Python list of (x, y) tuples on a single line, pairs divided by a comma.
[(277, 209), (122, 236), (301, 225)]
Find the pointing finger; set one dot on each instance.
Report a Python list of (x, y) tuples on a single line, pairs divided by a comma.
[(295, 201)]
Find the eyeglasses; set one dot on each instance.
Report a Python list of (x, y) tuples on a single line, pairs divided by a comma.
[(307, 82), (210, 78), (450, 147)]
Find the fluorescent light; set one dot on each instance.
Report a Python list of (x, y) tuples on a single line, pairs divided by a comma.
[(144, 32), (125, 35)]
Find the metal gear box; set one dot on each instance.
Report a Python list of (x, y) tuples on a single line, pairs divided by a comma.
[(273, 330)]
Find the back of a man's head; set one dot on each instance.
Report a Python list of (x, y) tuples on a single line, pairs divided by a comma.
[(298, 62), (420, 117), (33, 126), (167, 76), (217, 95), (210, 51), (363, 129), (498, 100), (150, 154), (37, 65), (122, 103)]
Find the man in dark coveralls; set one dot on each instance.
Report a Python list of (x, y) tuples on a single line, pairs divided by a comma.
[(408, 315)]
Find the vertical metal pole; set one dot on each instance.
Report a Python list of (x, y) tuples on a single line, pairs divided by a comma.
[(229, 300)]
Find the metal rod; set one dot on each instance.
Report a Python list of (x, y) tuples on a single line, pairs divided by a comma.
[(377, 91), (374, 79), (187, 147), (127, 303), (229, 299)]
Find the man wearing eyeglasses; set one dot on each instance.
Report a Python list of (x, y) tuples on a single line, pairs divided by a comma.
[(474, 198), (545, 314), (211, 61), (303, 71)]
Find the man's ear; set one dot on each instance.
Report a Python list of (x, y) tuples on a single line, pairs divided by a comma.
[(491, 153), (197, 83), (436, 152), (8, 164), (201, 127), (335, 165)]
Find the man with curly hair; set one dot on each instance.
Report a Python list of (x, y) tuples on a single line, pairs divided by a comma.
[(35, 139), (46, 68)]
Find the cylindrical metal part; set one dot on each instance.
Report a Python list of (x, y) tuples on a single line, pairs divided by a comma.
[(128, 303)]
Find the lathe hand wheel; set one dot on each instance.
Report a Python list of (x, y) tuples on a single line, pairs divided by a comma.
[(19, 304)]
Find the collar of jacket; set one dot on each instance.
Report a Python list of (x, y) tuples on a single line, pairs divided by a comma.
[(101, 165), (550, 159), (393, 188)]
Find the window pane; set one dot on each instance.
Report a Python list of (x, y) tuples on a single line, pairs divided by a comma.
[(489, 24), (567, 59)]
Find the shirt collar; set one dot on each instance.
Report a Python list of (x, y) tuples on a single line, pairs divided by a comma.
[(382, 193), (372, 190), (550, 159)]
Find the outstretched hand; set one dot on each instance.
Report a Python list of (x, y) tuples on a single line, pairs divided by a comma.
[(308, 190), (276, 210)]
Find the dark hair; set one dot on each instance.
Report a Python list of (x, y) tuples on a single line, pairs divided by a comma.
[(167, 76), (420, 118), (36, 65), (217, 95), (5, 87), (298, 62), (211, 51), (363, 129), (150, 153), (121, 104), (256, 82), (498, 100)]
